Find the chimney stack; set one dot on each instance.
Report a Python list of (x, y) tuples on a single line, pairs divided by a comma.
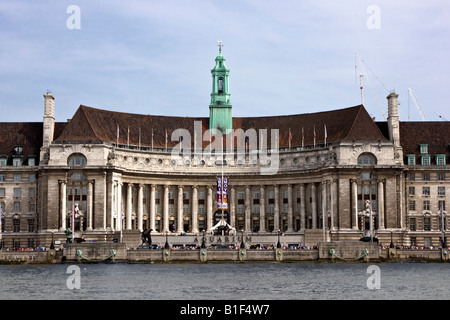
[(48, 125), (394, 125)]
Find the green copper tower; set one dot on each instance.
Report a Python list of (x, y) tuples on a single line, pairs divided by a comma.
[(220, 108)]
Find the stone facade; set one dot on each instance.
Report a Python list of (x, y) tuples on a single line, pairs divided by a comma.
[(338, 189)]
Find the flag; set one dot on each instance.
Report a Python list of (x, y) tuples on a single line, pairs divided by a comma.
[(303, 138), (117, 135), (290, 138), (1, 215), (314, 136)]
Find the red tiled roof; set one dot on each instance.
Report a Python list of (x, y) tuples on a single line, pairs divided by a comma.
[(436, 134), (25, 134), (96, 125)]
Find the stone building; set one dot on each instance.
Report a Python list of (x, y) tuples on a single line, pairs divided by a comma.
[(311, 175)]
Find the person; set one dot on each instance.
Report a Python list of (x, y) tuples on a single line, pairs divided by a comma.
[(68, 235)]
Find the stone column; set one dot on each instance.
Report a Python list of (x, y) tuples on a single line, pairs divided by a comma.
[(112, 192), (89, 205), (247, 209), (333, 204), (180, 210), (119, 207), (128, 209), (276, 214), (140, 214), (194, 209), (209, 209), (152, 207), (380, 205), (63, 203), (262, 210), (314, 205), (166, 209), (354, 204), (303, 207), (105, 201), (233, 204), (324, 205), (290, 212)]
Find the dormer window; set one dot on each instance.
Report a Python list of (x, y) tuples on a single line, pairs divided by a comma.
[(77, 160), (367, 159), (411, 159), (440, 159), (423, 148), (3, 161), (426, 160)]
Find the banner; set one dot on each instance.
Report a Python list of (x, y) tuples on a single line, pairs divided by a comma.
[(225, 193), (219, 193), (222, 193)]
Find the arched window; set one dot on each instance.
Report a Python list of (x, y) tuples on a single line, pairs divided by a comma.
[(220, 85), (77, 160), (367, 159)]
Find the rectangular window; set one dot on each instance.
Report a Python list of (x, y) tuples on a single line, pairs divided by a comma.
[(412, 205), (185, 208), (426, 161), (426, 205), (31, 178), (271, 194), (423, 148), (201, 208), (271, 208), (411, 160), (185, 195), (255, 195), (201, 195), (171, 195), (412, 177), (426, 191), (441, 191), (441, 204), (412, 224), (440, 160), (2, 177), (170, 208), (3, 161), (241, 196), (16, 225), (17, 177), (2, 192), (427, 224), (31, 161), (412, 191), (441, 176), (31, 206), (426, 177), (30, 225), (256, 208), (17, 192), (241, 208), (17, 162)]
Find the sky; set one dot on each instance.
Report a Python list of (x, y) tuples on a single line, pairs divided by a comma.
[(285, 56)]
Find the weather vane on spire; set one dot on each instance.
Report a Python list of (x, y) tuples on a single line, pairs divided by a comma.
[(220, 45)]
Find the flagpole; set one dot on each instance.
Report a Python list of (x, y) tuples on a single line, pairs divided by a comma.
[(152, 139)]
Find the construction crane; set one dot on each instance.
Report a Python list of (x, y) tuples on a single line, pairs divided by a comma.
[(413, 96), (366, 76)]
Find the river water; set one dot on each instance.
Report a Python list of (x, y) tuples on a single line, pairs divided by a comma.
[(227, 281)]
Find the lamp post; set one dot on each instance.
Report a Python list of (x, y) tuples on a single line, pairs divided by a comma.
[(166, 245), (242, 240), (52, 246), (278, 243), (392, 243)]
